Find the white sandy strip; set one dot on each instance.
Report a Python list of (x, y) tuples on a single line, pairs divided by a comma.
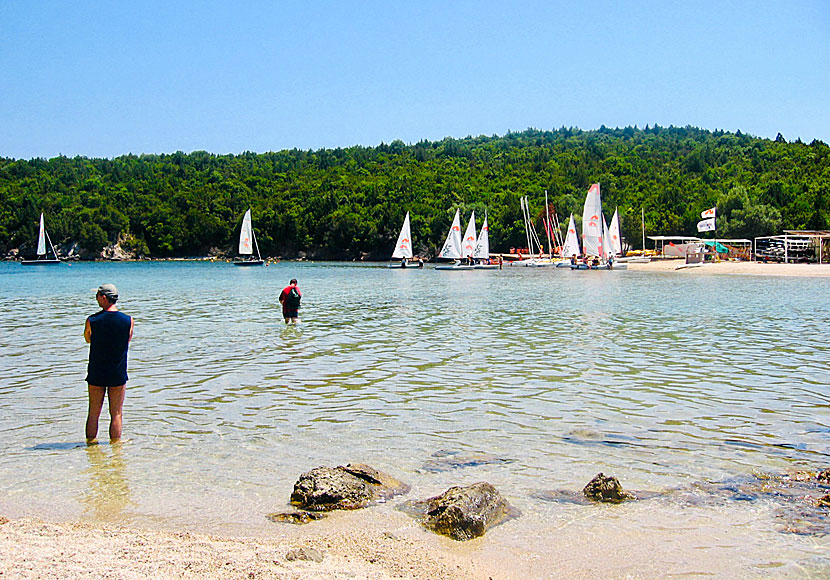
[(741, 268), (31, 548)]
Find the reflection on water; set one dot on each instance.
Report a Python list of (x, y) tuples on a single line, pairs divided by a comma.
[(108, 493), (659, 379)]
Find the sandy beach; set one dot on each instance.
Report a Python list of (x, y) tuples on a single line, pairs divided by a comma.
[(736, 268), (33, 548)]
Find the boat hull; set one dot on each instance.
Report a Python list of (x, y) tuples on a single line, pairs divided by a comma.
[(454, 267), (249, 263), (40, 262)]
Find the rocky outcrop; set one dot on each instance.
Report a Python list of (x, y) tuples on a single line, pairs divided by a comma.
[(463, 513), (351, 487), (606, 489)]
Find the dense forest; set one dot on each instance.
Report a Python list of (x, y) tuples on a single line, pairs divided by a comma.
[(349, 203)]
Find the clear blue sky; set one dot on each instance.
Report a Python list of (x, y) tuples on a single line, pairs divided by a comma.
[(104, 79)]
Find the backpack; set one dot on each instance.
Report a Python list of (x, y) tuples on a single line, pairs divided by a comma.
[(293, 298)]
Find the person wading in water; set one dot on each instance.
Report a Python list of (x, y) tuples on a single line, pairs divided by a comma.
[(108, 333)]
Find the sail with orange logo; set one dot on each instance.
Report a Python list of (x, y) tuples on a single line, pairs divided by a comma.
[(452, 246), (403, 247), (468, 242), (571, 245), (592, 223)]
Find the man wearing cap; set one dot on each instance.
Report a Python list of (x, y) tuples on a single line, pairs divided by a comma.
[(108, 333)]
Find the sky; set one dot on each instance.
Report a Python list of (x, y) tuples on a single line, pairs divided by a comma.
[(103, 79)]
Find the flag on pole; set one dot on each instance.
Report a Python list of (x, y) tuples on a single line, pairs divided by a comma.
[(706, 225), (709, 213)]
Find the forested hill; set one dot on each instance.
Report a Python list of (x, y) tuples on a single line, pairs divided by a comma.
[(348, 203)]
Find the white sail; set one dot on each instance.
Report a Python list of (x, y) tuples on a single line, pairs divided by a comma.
[(403, 248), (605, 248), (614, 232), (452, 247), (592, 222), (41, 239), (246, 244), (468, 242), (571, 245), (482, 249)]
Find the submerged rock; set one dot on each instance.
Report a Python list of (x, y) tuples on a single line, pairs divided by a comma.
[(824, 475), (344, 488), (296, 517), (606, 489), (3, 520), (463, 513), (447, 460)]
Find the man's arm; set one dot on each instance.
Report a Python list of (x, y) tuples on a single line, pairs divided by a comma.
[(132, 325), (87, 331)]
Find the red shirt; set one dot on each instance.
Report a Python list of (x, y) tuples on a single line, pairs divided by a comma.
[(284, 297)]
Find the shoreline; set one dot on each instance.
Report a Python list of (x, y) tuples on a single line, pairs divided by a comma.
[(747, 268)]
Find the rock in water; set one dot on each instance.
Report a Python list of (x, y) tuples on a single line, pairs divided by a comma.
[(463, 513), (344, 488), (607, 489), (824, 475)]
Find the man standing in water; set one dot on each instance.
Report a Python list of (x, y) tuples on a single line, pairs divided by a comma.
[(108, 333), (290, 300)]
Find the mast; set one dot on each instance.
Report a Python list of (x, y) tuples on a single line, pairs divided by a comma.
[(548, 225), (643, 217), (253, 235)]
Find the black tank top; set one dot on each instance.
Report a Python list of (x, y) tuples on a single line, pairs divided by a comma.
[(108, 349)]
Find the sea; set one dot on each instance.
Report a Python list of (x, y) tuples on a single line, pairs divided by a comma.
[(693, 390)]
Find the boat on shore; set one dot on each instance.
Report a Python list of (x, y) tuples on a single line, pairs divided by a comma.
[(42, 259), (247, 244)]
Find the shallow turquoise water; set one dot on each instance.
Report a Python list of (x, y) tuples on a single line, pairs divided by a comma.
[(658, 378)]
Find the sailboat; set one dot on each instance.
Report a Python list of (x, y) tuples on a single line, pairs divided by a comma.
[(533, 242), (403, 247), (453, 245), (571, 245), (481, 253), (247, 244), (596, 240), (614, 233), (42, 260)]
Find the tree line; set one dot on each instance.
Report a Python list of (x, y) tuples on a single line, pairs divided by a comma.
[(349, 203)]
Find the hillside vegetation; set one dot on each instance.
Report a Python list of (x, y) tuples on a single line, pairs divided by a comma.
[(349, 203)]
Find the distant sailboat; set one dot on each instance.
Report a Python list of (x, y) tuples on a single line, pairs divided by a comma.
[(482, 249), (571, 245), (614, 233), (596, 240), (247, 244), (468, 242), (42, 260), (452, 246), (403, 247)]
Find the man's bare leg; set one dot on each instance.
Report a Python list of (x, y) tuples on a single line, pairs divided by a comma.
[(96, 402), (115, 395)]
